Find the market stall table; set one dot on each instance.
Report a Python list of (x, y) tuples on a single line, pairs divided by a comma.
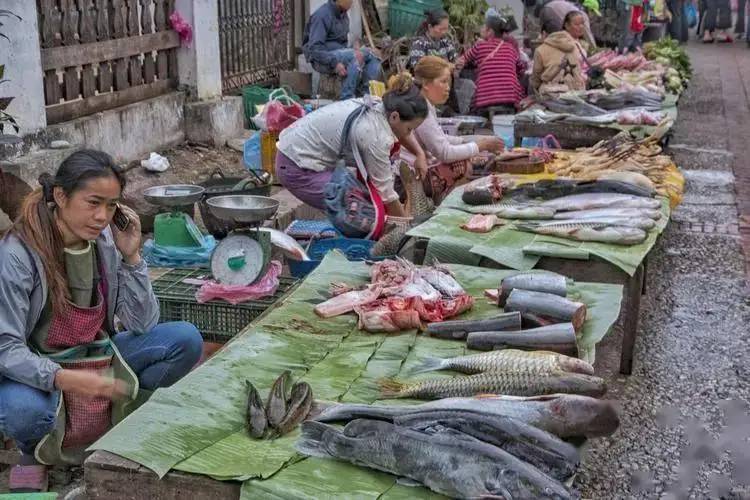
[(193, 433), (506, 247)]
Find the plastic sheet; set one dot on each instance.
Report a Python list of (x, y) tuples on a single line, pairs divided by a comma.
[(237, 294), (168, 256)]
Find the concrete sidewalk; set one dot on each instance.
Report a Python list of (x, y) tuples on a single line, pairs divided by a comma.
[(692, 356)]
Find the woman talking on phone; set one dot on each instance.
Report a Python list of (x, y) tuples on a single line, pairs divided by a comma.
[(66, 270)]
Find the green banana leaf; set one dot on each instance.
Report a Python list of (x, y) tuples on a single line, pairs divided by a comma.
[(198, 425), (517, 249)]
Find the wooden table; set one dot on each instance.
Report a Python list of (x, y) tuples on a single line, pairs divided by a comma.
[(594, 270), (569, 135), (110, 477)]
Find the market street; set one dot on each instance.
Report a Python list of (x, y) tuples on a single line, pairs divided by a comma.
[(692, 353)]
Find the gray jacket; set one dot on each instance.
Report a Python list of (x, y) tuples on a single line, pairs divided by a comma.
[(23, 294)]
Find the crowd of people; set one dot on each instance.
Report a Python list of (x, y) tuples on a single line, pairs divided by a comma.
[(440, 78)]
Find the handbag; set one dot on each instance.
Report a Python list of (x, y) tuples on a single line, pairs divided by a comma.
[(353, 203)]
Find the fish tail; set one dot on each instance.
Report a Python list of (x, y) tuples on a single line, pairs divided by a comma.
[(430, 365), (312, 441), (390, 388)]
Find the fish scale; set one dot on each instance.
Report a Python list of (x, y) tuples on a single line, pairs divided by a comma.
[(510, 384)]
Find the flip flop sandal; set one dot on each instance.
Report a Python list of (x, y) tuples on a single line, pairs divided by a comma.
[(28, 479), (711, 40)]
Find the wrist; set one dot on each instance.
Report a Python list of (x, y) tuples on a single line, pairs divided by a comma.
[(132, 260)]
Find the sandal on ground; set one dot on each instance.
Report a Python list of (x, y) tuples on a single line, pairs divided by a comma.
[(28, 479), (707, 40), (725, 39)]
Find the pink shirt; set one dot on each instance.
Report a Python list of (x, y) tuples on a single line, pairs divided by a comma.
[(438, 145), (498, 68)]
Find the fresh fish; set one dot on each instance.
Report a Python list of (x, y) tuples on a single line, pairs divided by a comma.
[(511, 211), (547, 305), (609, 212), (548, 189), (634, 178), (645, 223), (256, 415), (508, 361), (441, 278), (589, 201), (559, 337), (510, 384), (564, 415), (546, 282), (276, 404), (450, 463), (287, 244), (458, 329), (584, 231), (347, 302), (300, 402), (541, 449)]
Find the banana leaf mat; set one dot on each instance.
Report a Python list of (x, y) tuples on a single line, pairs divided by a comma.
[(517, 249), (198, 424)]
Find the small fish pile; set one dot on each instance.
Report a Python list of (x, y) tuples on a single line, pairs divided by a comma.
[(399, 297), (281, 414), (507, 447)]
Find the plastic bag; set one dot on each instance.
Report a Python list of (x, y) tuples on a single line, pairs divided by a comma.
[(691, 14), (168, 256), (251, 155), (155, 163), (237, 294), (282, 112)]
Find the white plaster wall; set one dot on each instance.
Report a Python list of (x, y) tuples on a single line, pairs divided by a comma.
[(23, 66), (199, 65)]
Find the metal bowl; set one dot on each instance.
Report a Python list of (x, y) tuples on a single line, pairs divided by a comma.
[(173, 195), (243, 207), (475, 121)]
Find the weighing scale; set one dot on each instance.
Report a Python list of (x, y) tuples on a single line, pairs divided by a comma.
[(243, 256), (175, 228)]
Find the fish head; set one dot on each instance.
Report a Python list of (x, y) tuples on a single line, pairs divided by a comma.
[(587, 416)]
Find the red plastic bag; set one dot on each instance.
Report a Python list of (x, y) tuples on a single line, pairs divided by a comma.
[(282, 112)]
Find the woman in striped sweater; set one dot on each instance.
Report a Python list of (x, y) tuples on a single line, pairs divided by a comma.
[(499, 64)]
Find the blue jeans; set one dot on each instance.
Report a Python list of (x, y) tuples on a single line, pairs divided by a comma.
[(357, 79), (159, 358)]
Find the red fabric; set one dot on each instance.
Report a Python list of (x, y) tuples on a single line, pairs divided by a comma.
[(636, 19), (279, 116), (377, 202), (498, 78), (86, 419), (77, 325), (441, 178)]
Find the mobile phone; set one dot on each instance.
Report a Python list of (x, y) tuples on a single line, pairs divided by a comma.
[(120, 220)]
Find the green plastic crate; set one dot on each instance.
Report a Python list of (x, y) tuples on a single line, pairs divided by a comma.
[(217, 320), (405, 16)]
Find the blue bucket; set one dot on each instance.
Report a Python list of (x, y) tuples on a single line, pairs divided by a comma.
[(355, 249)]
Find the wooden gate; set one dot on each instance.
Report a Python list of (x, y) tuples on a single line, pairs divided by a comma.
[(101, 54), (256, 40)]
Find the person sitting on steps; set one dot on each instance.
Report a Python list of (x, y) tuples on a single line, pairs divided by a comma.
[(325, 46)]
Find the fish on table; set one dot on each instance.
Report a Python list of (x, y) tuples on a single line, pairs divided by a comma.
[(610, 212), (588, 201), (430, 458), (564, 415), (511, 384), (587, 231), (508, 361)]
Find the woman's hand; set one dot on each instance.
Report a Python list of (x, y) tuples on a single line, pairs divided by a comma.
[(128, 242), (89, 383), (420, 165), (491, 144)]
